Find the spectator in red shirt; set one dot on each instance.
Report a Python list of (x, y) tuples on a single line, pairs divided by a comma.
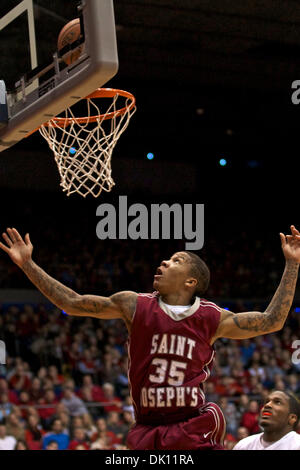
[(87, 365), (79, 439), (74, 354), (25, 326), (24, 402), (115, 404), (250, 418), (19, 380), (221, 385), (12, 396), (35, 391), (80, 447), (238, 374), (95, 391), (49, 401), (34, 433), (53, 374), (229, 441), (232, 387), (102, 433)]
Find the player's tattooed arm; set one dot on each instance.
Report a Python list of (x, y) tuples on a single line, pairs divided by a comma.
[(119, 305), (251, 324)]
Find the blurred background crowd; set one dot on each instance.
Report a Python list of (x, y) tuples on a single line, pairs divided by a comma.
[(65, 384)]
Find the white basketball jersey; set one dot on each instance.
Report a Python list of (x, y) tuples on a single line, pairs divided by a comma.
[(291, 441)]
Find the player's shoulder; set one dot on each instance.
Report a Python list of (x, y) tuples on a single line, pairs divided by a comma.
[(147, 299), (290, 441), (293, 435), (148, 295), (248, 442), (209, 305)]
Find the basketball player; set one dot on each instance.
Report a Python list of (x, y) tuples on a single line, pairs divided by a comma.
[(171, 337), (279, 418)]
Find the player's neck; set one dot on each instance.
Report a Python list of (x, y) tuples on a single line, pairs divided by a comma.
[(177, 299), (273, 436)]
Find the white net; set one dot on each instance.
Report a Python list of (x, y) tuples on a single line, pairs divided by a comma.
[(83, 150)]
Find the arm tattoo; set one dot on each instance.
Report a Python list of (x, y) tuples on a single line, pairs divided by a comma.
[(126, 301), (66, 299), (279, 307), (88, 305), (56, 292)]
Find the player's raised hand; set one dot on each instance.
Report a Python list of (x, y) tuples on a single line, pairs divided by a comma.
[(18, 249), (290, 245)]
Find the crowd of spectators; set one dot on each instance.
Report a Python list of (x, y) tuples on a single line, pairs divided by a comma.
[(65, 384), (63, 377)]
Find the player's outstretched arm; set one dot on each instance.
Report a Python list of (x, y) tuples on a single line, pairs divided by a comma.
[(119, 305), (251, 324)]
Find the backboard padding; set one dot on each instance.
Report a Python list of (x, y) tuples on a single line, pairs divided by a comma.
[(35, 102)]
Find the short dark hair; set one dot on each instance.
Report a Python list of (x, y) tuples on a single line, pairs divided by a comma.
[(200, 271), (55, 420), (294, 406), (21, 441), (52, 442)]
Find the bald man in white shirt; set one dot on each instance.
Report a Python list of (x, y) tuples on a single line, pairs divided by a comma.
[(279, 418)]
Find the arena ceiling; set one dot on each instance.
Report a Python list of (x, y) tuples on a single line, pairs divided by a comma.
[(234, 60), (253, 44)]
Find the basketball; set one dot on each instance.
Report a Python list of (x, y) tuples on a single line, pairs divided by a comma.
[(69, 34)]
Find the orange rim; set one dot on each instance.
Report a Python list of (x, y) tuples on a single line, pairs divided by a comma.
[(99, 93)]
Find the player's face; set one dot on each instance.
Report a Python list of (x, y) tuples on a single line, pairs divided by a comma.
[(275, 413), (171, 274)]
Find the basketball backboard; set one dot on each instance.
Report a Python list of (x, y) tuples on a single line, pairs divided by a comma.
[(35, 82)]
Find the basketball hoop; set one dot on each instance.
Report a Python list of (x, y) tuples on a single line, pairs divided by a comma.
[(83, 146)]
